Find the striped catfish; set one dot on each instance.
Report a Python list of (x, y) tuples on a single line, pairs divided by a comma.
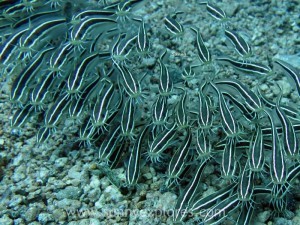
[(228, 121), (207, 202), (290, 140), (76, 79), (22, 82), (34, 17), (241, 46), (21, 116), (160, 142), (142, 41), (128, 120), (293, 173), (109, 144), (179, 158), (40, 92), (245, 214), (229, 161), (256, 151), (59, 58), (130, 84), (160, 112), (222, 210), (249, 68), (180, 112), (77, 105), (86, 132), (55, 112), (134, 162), (245, 185), (115, 158), (41, 32), (43, 135), (205, 115), (252, 101), (216, 12), (248, 115), (7, 49), (122, 48), (165, 81), (77, 18), (203, 145), (185, 200), (81, 30), (290, 71), (172, 25), (203, 52), (101, 110), (290, 111), (278, 167), (280, 205), (14, 11), (267, 131), (122, 9)]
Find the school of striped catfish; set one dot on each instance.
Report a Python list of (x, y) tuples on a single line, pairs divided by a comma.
[(81, 63)]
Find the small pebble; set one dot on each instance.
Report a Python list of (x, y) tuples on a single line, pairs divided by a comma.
[(45, 218), (264, 216)]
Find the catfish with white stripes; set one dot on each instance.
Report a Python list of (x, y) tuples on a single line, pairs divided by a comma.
[(229, 160), (142, 41), (207, 202), (76, 79), (128, 120), (122, 48), (59, 58), (204, 111), (203, 52), (203, 145), (241, 46), (290, 140), (131, 85), (86, 132), (55, 112), (81, 30), (248, 68), (101, 111), (134, 163), (172, 25), (9, 47), (24, 79), (160, 112), (215, 11), (109, 144), (185, 200), (179, 158), (229, 124), (160, 142), (278, 163), (78, 105), (40, 33), (181, 113), (21, 116), (290, 71), (252, 101), (165, 81), (40, 92), (256, 151)]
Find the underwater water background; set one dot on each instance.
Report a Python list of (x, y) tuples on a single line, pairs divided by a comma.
[(62, 180)]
